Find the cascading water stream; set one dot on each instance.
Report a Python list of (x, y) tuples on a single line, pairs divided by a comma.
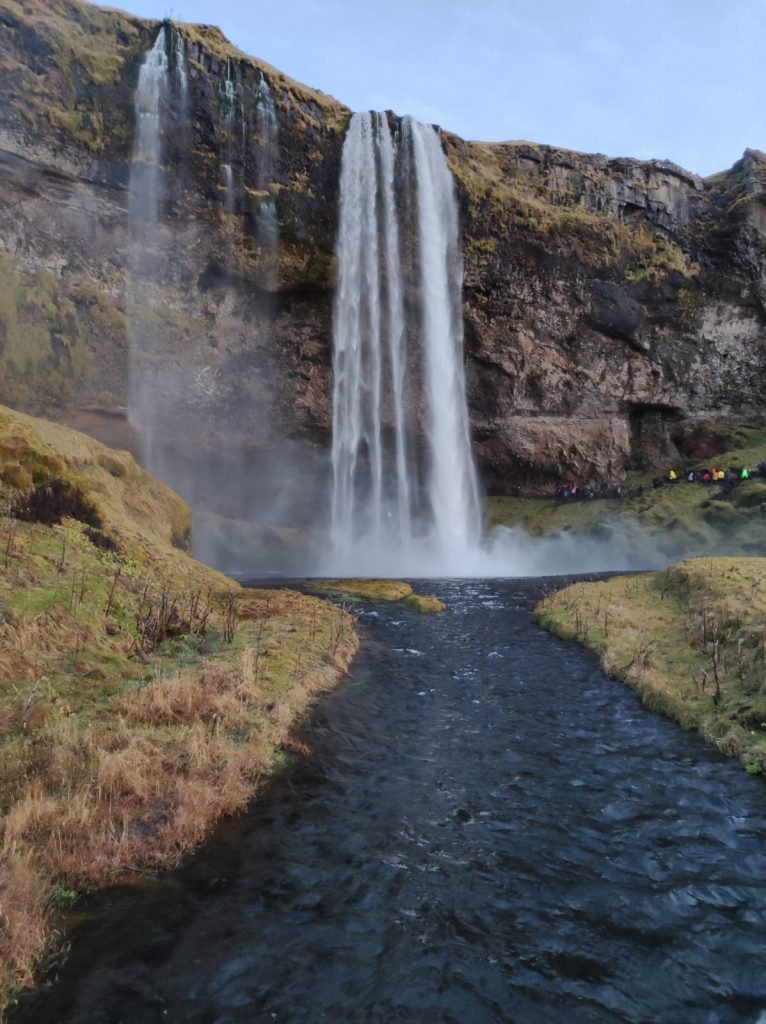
[(144, 223), (182, 71), (385, 519), (145, 166), (267, 124)]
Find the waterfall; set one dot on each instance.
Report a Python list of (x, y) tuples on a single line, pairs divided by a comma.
[(145, 263), (230, 88), (227, 174), (182, 71), (453, 490), (268, 133), (147, 147), (384, 518)]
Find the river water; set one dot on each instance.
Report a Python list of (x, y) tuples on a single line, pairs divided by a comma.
[(486, 830)]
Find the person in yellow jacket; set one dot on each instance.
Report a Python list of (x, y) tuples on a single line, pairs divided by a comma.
[(672, 476), (721, 475)]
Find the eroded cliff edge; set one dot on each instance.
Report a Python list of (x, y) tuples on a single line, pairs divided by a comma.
[(614, 309)]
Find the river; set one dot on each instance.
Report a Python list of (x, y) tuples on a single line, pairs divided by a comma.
[(485, 830)]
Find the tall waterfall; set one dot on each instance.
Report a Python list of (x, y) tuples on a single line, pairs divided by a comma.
[(453, 490), (388, 516)]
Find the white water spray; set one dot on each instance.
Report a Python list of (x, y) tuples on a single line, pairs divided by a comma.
[(385, 520)]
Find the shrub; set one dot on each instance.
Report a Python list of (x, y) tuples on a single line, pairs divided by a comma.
[(101, 540), (53, 501), (17, 476)]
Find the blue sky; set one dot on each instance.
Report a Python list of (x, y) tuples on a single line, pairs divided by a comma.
[(683, 80)]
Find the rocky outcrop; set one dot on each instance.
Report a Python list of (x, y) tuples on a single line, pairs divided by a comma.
[(606, 294), (610, 305)]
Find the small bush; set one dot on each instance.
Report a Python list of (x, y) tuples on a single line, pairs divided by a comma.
[(17, 476), (101, 540), (53, 501)]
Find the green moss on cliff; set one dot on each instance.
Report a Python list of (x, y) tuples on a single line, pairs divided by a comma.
[(538, 191), (52, 329), (60, 61)]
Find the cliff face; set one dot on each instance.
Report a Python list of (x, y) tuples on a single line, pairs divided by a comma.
[(614, 309), (611, 305)]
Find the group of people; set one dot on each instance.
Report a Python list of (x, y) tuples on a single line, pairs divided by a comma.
[(575, 492), (727, 477)]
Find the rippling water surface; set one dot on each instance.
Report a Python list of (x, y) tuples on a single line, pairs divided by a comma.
[(487, 830)]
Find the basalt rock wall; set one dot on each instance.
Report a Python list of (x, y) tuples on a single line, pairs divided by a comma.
[(615, 310)]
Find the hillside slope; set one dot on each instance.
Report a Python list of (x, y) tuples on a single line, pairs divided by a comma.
[(142, 695)]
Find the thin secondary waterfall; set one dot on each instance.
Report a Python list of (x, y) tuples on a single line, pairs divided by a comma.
[(384, 518), (145, 167), (227, 176), (267, 124), (182, 71), (145, 246)]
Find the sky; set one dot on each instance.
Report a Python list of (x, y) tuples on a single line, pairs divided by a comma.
[(680, 80)]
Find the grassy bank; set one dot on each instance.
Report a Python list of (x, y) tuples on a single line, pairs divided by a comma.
[(691, 640), (143, 695)]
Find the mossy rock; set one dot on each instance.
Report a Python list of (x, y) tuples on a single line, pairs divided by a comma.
[(722, 515), (381, 590), (750, 494), (373, 590), (424, 603)]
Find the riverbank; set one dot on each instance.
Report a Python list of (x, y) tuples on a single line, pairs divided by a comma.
[(691, 640), (143, 695)]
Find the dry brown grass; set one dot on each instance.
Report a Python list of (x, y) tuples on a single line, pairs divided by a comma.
[(89, 802), (119, 755), (24, 931)]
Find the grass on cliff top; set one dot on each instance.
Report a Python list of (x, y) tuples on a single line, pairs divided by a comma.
[(99, 40), (142, 695), (691, 640), (313, 104), (380, 590), (528, 199), (60, 67)]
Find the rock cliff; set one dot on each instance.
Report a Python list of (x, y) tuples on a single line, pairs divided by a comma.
[(615, 310)]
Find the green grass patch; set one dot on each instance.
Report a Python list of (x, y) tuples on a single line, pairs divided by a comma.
[(379, 590)]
